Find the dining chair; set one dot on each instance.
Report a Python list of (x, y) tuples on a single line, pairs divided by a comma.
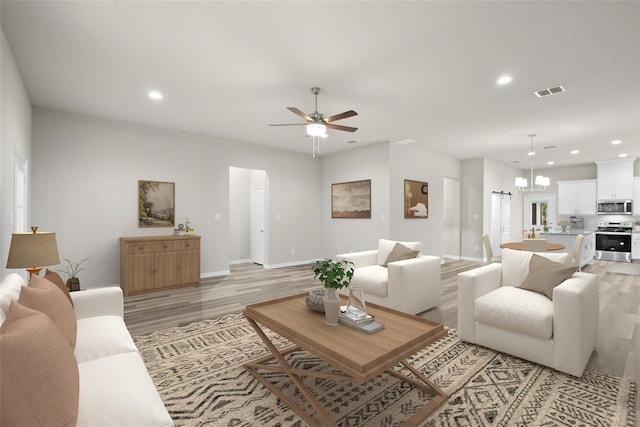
[(534, 245), (489, 251), (577, 250)]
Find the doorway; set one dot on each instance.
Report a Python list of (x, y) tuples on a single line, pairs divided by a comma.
[(248, 228), (257, 226)]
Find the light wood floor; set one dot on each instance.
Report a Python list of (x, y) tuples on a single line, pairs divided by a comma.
[(617, 352)]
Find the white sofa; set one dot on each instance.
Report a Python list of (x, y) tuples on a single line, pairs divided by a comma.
[(114, 386), (410, 285), (495, 312)]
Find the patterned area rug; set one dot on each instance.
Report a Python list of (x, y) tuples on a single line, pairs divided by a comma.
[(198, 372)]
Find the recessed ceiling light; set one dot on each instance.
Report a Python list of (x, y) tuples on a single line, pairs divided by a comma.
[(155, 95), (504, 80), (575, 151), (531, 153), (616, 142), (622, 155), (551, 163)]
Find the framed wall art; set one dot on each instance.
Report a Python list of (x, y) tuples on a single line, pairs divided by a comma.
[(416, 199), (351, 199), (156, 204)]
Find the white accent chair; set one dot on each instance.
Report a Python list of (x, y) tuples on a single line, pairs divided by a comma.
[(409, 285), (494, 312), (487, 248), (534, 245)]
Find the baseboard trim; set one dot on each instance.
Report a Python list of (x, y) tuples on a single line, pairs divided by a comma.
[(215, 274), (240, 261), (288, 264)]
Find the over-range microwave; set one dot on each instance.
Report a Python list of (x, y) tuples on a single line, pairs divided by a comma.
[(614, 207)]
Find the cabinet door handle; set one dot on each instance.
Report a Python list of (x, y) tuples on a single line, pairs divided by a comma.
[(165, 246), (141, 248), (154, 271), (186, 245)]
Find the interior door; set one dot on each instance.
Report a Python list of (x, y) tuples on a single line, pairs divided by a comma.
[(257, 225)]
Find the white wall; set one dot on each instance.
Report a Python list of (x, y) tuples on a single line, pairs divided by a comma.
[(417, 164), (387, 165), (85, 175), (341, 235), (15, 136)]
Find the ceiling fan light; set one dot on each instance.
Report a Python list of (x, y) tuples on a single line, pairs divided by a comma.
[(316, 129)]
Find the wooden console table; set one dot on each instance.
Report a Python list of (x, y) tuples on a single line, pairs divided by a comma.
[(151, 263)]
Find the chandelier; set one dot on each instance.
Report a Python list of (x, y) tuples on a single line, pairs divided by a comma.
[(541, 182)]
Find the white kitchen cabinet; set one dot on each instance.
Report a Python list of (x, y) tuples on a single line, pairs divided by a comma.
[(615, 179), (577, 197), (636, 196), (635, 246), (588, 249)]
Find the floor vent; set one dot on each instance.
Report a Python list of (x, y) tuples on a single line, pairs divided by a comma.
[(549, 91)]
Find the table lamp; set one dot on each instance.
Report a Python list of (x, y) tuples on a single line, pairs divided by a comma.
[(32, 251)]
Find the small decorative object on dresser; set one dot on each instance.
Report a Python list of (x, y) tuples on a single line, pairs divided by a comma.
[(72, 269), (334, 275), (637, 224)]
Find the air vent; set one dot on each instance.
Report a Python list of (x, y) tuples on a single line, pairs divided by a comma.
[(352, 141), (406, 141), (549, 91)]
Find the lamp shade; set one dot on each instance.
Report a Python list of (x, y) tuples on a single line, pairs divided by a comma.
[(316, 129), (29, 250)]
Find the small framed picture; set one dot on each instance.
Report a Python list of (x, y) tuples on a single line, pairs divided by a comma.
[(156, 204), (416, 199)]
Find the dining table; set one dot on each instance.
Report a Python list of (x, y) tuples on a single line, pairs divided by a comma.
[(518, 246)]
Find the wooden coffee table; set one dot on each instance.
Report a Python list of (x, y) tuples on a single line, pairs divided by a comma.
[(358, 355)]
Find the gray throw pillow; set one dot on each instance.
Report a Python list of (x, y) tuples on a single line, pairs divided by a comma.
[(544, 275), (400, 252)]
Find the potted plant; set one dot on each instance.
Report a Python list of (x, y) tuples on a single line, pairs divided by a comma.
[(637, 224), (72, 269), (334, 275)]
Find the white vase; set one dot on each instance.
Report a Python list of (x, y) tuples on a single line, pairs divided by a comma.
[(331, 307)]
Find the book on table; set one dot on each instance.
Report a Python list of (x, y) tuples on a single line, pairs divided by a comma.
[(358, 317), (369, 327)]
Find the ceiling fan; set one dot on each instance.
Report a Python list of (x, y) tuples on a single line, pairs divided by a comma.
[(316, 122)]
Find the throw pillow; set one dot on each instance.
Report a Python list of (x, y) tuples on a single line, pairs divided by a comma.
[(400, 252), (55, 278), (544, 275), (39, 381), (44, 296)]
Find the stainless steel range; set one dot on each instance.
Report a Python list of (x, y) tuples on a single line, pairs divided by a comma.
[(613, 241)]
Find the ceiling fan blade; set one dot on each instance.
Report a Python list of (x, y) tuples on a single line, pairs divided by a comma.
[(288, 124), (340, 116), (339, 127), (296, 111)]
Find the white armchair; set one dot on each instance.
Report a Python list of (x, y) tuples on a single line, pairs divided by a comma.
[(410, 285), (493, 311)]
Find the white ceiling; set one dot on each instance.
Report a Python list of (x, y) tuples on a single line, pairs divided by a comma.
[(420, 70)]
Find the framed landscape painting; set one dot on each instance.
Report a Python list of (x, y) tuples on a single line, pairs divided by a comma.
[(156, 204), (416, 199), (351, 199)]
